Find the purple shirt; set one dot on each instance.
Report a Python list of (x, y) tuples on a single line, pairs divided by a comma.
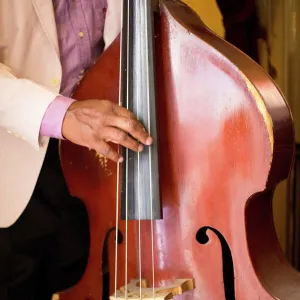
[(80, 26)]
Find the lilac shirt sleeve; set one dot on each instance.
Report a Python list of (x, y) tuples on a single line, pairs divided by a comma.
[(54, 116)]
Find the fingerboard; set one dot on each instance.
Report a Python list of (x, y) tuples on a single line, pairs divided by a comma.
[(140, 174)]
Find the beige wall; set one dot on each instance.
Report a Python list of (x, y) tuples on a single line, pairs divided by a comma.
[(209, 13)]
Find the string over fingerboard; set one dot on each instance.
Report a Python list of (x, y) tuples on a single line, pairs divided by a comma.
[(140, 174)]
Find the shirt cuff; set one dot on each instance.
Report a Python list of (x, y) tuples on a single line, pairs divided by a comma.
[(53, 119)]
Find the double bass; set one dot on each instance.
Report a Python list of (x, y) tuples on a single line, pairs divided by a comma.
[(191, 216)]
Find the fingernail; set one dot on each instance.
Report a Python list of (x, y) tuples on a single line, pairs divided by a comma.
[(140, 148), (121, 159), (149, 141)]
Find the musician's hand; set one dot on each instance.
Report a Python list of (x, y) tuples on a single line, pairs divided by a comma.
[(94, 123)]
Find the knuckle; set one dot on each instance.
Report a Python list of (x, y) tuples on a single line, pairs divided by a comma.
[(113, 155), (121, 135), (115, 108), (132, 124), (130, 114), (106, 150), (134, 145)]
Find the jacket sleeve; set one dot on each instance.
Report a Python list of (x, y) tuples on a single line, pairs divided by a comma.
[(23, 104)]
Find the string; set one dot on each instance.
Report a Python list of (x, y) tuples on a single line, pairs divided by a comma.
[(126, 199), (138, 158), (140, 255), (150, 156), (118, 172), (117, 228)]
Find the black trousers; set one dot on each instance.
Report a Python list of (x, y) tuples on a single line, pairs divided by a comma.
[(46, 250)]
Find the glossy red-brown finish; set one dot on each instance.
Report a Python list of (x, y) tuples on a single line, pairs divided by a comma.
[(218, 167)]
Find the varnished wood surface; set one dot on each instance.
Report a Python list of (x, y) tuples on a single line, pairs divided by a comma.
[(225, 136)]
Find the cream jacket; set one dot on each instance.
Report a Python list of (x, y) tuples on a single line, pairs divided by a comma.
[(30, 75)]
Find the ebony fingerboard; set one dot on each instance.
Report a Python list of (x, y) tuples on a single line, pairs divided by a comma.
[(140, 178)]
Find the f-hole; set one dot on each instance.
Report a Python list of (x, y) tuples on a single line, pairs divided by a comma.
[(228, 271), (105, 261)]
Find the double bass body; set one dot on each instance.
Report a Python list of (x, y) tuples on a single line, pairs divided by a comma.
[(225, 140)]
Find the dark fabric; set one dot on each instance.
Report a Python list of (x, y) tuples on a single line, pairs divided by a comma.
[(46, 250), (241, 25)]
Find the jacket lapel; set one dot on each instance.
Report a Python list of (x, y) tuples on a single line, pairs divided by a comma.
[(112, 25), (45, 12)]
